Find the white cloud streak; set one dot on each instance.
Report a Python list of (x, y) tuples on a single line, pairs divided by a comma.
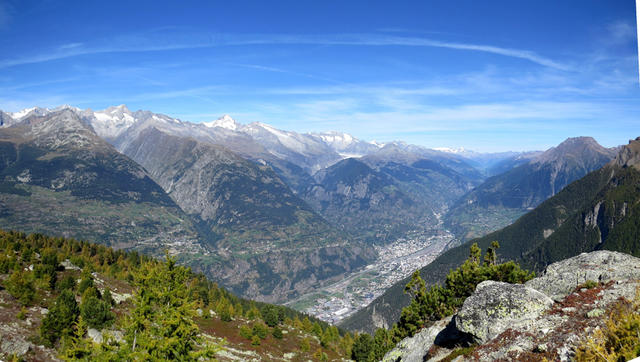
[(141, 44)]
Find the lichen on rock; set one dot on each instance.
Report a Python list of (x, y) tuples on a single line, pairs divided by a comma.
[(497, 306)]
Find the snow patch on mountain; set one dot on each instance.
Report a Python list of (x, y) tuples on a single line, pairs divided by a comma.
[(455, 150), (287, 139), (337, 140)]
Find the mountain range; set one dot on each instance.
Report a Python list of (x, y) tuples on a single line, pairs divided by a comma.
[(238, 202), (268, 213)]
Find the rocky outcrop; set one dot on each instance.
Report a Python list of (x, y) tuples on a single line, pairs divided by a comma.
[(497, 306), (561, 278), (413, 349), (547, 317), (629, 156)]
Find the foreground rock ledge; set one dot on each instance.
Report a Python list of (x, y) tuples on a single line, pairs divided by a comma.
[(545, 318)]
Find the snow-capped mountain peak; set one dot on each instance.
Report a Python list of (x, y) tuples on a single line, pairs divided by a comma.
[(110, 122), (223, 122), (66, 106), (27, 111)]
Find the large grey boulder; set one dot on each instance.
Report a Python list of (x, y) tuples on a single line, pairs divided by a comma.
[(496, 307), (413, 349), (16, 346), (561, 279)]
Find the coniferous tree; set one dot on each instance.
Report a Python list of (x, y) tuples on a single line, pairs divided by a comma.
[(67, 283), (345, 344), (108, 298), (277, 333), (161, 324), (270, 315), (97, 313), (305, 345), (260, 329), (382, 342), (362, 348), (20, 286), (60, 319)]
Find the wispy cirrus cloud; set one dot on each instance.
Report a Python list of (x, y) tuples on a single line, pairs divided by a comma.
[(621, 31), (157, 43), (70, 46), (285, 71)]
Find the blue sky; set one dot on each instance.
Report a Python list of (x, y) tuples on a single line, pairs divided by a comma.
[(486, 75)]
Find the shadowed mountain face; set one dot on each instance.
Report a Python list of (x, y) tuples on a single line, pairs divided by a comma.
[(599, 211), (382, 199), (363, 201), (270, 244), (58, 177), (503, 198), (6, 119)]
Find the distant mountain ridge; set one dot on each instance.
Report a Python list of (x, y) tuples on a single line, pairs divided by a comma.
[(506, 196), (268, 244), (296, 157)]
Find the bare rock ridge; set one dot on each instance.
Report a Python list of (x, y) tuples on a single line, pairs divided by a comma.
[(546, 318), (629, 156)]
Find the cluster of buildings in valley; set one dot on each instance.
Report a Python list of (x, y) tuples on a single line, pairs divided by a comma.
[(396, 261)]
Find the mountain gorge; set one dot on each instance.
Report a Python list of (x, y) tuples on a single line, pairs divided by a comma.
[(248, 216), (595, 212), (363, 201), (387, 194)]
